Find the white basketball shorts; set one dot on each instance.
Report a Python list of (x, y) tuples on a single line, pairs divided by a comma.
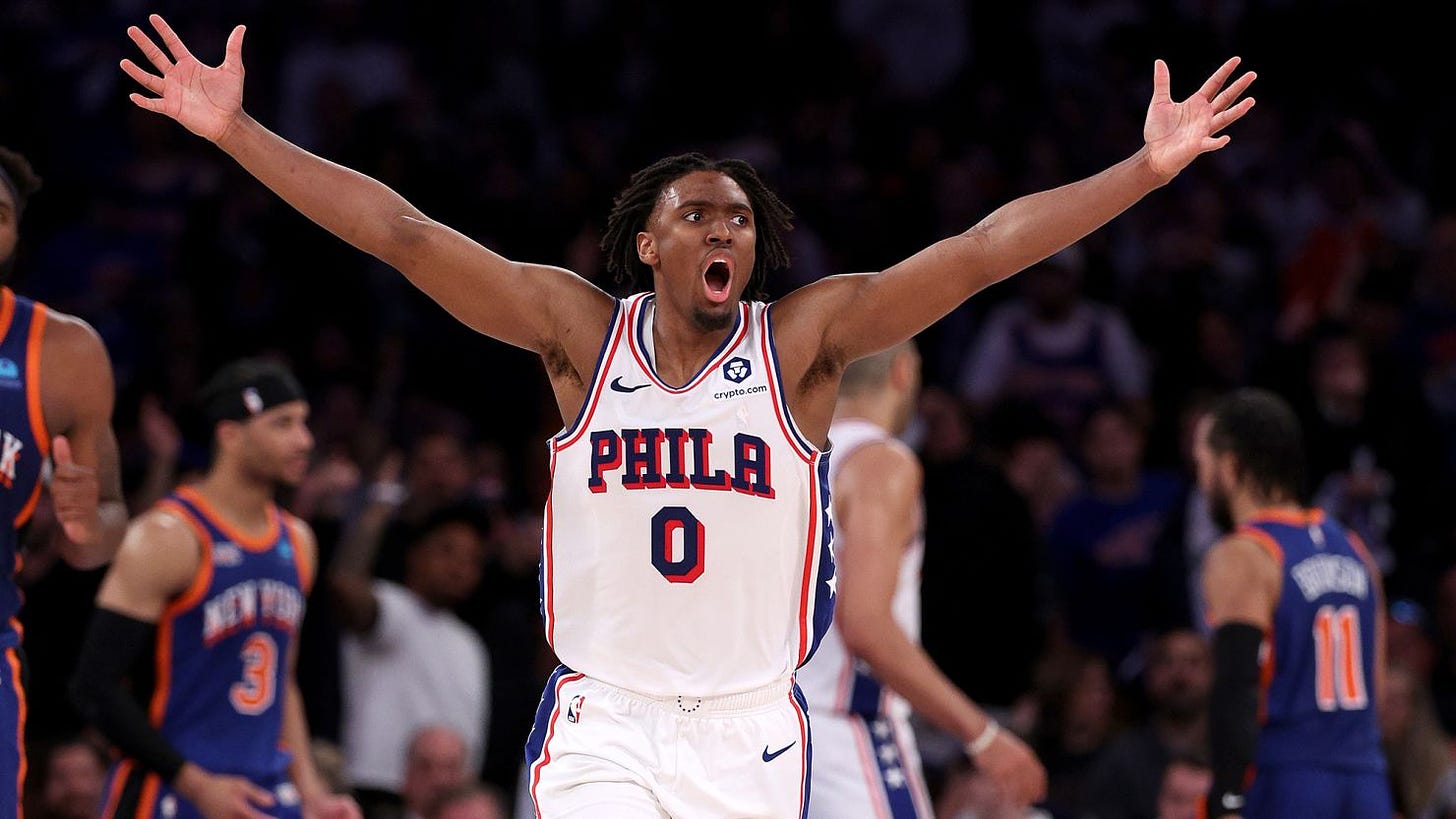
[(604, 752)]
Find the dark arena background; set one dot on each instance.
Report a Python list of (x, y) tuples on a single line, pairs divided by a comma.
[(1314, 256)]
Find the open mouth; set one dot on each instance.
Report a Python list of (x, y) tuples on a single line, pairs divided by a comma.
[(716, 280)]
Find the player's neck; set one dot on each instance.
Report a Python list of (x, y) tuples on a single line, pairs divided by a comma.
[(243, 502), (876, 409), (680, 347), (1246, 506)]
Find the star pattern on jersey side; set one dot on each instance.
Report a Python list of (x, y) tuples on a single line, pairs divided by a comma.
[(833, 584), (889, 755)]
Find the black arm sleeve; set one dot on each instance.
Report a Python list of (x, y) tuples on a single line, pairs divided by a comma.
[(113, 643), (1233, 714)]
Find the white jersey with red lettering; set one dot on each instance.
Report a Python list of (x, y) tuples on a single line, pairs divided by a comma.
[(866, 763), (687, 532)]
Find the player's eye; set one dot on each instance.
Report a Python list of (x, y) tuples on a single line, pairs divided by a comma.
[(693, 216), (741, 220)]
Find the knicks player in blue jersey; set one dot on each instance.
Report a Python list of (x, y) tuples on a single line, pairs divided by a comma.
[(1299, 649), (686, 569), (55, 402), (202, 606)]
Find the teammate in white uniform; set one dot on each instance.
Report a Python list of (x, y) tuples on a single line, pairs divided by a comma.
[(681, 595), (870, 670)]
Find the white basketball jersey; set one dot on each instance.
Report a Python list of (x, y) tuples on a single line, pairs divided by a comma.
[(836, 680), (686, 543)]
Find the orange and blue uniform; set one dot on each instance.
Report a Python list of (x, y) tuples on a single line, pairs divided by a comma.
[(24, 446), (221, 663), (1318, 751)]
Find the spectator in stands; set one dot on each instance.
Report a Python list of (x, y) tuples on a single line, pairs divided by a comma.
[(434, 764), (1074, 724), (1101, 544), (69, 779), (1127, 777), (467, 801), (1056, 350), (1185, 782), (408, 660), (1422, 771)]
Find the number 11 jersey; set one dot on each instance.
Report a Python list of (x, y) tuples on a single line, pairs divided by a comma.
[(686, 537), (1318, 663)]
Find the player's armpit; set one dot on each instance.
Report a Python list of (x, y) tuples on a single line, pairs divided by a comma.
[(158, 560)]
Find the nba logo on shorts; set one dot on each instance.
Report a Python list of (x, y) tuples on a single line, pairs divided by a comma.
[(736, 370), (573, 708)]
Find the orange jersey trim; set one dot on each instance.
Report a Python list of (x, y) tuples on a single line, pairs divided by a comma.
[(184, 602), (252, 544), (13, 658)]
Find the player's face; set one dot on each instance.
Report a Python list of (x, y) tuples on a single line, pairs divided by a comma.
[(700, 244), (277, 443), (9, 227), (1212, 471)]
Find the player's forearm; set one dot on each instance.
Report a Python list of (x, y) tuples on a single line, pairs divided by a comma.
[(905, 667), (362, 211), (295, 739), (113, 644), (1026, 230), (1233, 713), (111, 526)]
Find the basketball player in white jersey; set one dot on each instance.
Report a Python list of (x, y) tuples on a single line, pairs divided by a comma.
[(870, 671), (685, 572)]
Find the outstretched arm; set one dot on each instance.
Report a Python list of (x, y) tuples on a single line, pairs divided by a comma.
[(545, 309), (871, 312)]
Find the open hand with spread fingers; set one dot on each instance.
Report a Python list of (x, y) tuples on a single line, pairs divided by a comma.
[(1175, 133), (207, 100)]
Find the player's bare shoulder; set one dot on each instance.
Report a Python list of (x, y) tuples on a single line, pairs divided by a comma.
[(76, 379), (1241, 578), (887, 467), (158, 559)]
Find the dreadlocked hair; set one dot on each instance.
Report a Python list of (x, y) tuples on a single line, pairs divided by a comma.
[(634, 205)]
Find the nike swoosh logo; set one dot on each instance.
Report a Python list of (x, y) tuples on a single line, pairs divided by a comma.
[(770, 757), (618, 386)]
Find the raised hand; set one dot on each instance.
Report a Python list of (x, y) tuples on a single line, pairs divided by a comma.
[(1177, 132), (207, 100), (76, 494)]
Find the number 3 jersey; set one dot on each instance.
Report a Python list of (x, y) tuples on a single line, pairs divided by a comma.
[(223, 645), (686, 536), (1318, 661)]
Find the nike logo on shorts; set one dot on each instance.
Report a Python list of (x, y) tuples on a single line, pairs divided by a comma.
[(770, 757), (618, 386)]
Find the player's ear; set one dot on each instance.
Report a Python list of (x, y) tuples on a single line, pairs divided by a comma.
[(227, 433), (1227, 468), (647, 248)]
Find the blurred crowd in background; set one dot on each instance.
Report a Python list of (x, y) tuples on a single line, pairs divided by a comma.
[(1316, 255)]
